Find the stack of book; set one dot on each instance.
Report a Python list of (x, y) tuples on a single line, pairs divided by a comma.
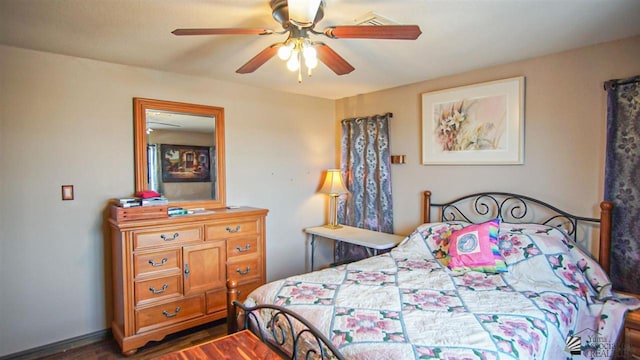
[(128, 209), (153, 201), (128, 202)]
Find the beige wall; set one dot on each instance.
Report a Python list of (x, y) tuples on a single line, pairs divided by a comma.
[(67, 120), (565, 116)]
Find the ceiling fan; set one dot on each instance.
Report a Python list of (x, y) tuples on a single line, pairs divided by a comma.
[(299, 19)]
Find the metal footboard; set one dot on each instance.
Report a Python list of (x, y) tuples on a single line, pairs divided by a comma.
[(285, 331)]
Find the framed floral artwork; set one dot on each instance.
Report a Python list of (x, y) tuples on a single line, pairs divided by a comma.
[(474, 125)]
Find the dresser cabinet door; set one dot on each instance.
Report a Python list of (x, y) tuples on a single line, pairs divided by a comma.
[(204, 267)]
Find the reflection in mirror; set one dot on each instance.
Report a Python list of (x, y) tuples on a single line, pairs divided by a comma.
[(180, 152)]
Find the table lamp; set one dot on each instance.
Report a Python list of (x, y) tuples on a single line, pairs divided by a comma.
[(334, 187)]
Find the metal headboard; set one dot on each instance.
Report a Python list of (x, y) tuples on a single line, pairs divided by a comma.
[(515, 208)]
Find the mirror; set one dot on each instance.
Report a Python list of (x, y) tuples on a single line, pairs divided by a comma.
[(179, 152)]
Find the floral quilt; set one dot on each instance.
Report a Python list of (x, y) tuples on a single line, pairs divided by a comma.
[(554, 302)]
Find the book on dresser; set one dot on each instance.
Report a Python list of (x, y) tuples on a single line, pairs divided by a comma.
[(153, 201), (177, 211), (128, 202)]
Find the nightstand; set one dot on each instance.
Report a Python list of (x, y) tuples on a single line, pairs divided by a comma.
[(630, 334), (374, 241)]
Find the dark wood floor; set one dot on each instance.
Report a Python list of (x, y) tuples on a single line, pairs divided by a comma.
[(108, 349)]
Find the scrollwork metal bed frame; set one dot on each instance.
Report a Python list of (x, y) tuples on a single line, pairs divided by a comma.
[(515, 208), (289, 334), (306, 341)]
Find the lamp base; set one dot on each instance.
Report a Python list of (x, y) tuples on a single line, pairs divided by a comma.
[(333, 226)]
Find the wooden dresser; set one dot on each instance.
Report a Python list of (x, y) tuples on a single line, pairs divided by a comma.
[(170, 274)]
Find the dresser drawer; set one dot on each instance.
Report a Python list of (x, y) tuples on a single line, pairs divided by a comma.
[(217, 300), (155, 262), (169, 313), (240, 227), (168, 236), (245, 289), (157, 289), (242, 246), (245, 270)]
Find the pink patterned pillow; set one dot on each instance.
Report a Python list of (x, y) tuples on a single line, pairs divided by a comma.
[(475, 248)]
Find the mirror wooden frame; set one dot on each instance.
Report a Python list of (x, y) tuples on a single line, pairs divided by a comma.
[(140, 106)]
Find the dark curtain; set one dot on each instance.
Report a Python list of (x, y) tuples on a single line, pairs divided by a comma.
[(622, 180), (366, 169)]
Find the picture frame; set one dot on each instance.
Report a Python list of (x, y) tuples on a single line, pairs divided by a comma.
[(185, 163), (478, 124)]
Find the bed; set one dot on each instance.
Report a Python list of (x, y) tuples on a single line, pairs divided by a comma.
[(494, 276)]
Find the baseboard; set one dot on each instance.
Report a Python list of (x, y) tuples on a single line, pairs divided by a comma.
[(60, 346)]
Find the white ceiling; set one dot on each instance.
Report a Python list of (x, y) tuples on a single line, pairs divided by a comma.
[(457, 36)]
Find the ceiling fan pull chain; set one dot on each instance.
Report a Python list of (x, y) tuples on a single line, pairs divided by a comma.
[(299, 53)]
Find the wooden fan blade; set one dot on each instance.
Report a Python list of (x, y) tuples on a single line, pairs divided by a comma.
[(394, 32), (258, 60), (333, 61), (228, 31)]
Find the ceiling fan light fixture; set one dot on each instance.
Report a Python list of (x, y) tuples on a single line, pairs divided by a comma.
[(311, 63), (295, 51), (310, 55), (293, 64), (303, 12), (308, 50), (284, 52)]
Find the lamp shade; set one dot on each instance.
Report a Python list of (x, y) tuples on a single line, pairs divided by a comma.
[(333, 183), (303, 12)]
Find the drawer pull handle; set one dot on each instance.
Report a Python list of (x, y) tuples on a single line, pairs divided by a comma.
[(229, 229), (155, 264), (170, 315), (244, 249), (243, 272), (164, 288), (186, 271), (165, 238)]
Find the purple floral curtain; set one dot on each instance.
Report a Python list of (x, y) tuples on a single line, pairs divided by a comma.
[(622, 187), (366, 169)]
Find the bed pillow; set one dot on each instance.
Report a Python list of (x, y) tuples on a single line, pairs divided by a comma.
[(475, 248), (436, 237)]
